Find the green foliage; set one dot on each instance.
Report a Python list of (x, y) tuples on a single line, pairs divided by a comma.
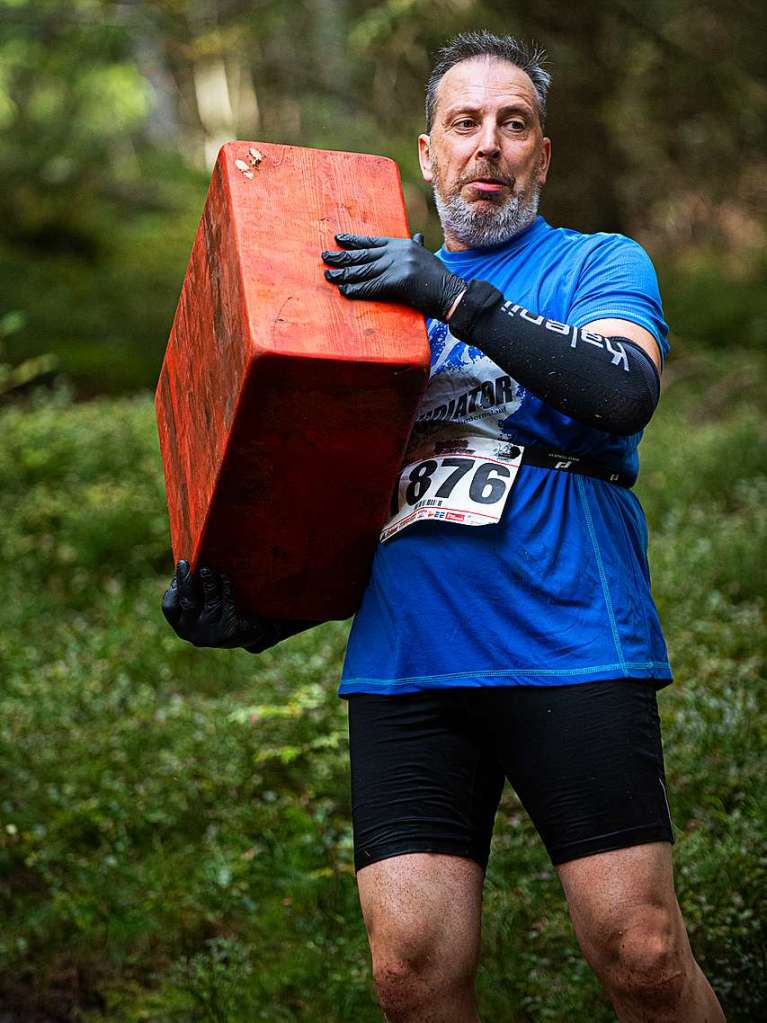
[(107, 319), (14, 377), (96, 224), (175, 824), (715, 308), (70, 96), (123, 744)]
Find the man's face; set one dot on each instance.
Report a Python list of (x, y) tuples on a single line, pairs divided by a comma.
[(486, 156)]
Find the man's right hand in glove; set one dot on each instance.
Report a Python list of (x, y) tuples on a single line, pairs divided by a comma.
[(201, 608)]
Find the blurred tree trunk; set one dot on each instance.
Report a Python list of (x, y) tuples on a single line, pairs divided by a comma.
[(209, 62), (329, 43), (588, 161), (162, 125), (214, 105)]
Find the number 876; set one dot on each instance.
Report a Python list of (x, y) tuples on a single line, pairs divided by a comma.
[(487, 484)]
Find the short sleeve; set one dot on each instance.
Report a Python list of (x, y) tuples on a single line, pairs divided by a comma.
[(618, 281)]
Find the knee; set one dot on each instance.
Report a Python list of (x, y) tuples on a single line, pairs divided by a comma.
[(411, 975), (645, 959), (402, 987)]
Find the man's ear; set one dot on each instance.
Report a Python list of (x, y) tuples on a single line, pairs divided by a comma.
[(424, 157), (543, 170)]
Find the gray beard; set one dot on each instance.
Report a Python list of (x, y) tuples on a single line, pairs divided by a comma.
[(494, 226)]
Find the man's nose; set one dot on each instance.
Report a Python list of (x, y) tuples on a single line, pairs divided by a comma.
[(489, 144)]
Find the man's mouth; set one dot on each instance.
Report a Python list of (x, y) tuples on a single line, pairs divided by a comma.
[(488, 185)]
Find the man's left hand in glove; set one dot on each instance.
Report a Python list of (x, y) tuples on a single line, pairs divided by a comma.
[(394, 270)]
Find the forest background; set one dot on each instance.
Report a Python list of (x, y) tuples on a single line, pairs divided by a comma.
[(175, 839)]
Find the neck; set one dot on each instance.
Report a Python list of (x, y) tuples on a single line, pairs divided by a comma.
[(452, 244)]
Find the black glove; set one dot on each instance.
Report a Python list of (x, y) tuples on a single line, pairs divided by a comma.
[(202, 610), (393, 270)]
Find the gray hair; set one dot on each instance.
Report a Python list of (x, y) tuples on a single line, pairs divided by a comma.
[(526, 56)]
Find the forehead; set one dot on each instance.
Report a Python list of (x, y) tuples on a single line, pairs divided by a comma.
[(484, 83)]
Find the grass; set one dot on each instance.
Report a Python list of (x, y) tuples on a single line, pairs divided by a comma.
[(175, 837)]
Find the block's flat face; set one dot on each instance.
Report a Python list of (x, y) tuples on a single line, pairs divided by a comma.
[(312, 194), (283, 409)]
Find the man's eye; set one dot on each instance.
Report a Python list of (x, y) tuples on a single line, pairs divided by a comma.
[(464, 122), (516, 125)]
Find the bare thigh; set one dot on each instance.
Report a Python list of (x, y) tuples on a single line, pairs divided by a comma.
[(624, 902), (422, 910)]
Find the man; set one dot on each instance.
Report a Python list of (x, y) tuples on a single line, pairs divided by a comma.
[(527, 647)]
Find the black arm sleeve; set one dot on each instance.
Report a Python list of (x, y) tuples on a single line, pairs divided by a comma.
[(606, 382)]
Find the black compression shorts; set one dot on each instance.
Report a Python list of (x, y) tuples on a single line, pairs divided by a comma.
[(428, 768)]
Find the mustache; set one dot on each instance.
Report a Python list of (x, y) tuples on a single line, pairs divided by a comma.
[(486, 172)]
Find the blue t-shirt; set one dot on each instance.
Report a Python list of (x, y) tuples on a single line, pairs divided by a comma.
[(558, 591)]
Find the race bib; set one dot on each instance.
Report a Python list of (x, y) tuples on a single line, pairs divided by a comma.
[(465, 480)]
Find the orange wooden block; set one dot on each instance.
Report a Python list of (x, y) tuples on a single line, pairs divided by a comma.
[(283, 409)]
